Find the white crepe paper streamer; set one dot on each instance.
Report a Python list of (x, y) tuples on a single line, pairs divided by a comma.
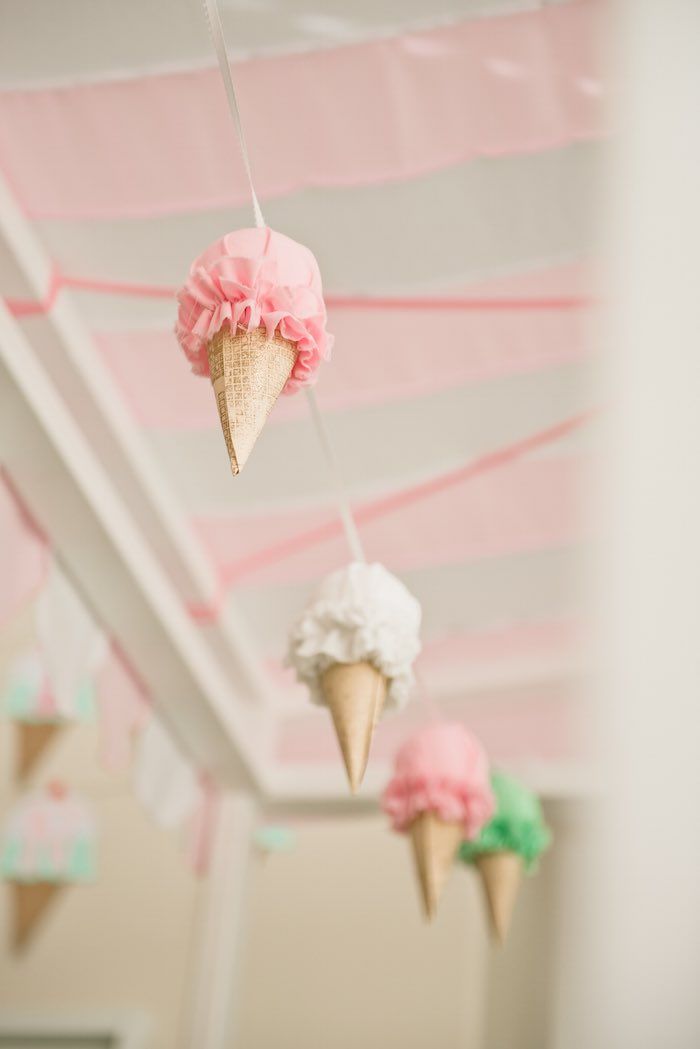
[(165, 783), (72, 644), (360, 613)]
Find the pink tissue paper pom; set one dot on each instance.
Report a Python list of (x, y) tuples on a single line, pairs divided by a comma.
[(254, 278), (441, 769)]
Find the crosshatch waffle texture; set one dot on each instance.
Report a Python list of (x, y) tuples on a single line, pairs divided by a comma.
[(248, 372)]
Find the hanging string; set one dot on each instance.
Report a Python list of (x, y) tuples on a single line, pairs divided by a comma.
[(216, 30), (351, 533)]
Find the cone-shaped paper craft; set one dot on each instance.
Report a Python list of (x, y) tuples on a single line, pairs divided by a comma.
[(508, 846), (440, 794), (435, 844), (355, 695), (248, 371), (30, 903), (251, 315), (354, 646), (501, 874), (34, 739), (48, 841)]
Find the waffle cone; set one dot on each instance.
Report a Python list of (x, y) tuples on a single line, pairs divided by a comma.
[(435, 844), (501, 873), (30, 903), (355, 695), (248, 372), (34, 738)]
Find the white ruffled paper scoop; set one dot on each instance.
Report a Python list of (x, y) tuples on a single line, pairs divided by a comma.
[(354, 646)]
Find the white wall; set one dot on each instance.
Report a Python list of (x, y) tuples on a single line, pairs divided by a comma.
[(337, 953)]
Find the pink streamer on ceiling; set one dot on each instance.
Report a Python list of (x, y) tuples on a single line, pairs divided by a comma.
[(390, 109), (494, 328), (380, 356), (523, 725), (528, 505)]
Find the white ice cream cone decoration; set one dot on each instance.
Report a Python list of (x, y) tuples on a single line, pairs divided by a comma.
[(354, 646), (252, 317), (355, 695), (439, 794)]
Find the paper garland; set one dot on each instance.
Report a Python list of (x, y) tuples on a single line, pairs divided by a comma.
[(164, 782), (509, 845), (439, 793), (72, 645), (49, 836), (361, 613)]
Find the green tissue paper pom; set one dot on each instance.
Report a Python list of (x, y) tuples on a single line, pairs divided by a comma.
[(275, 839), (518, 825), (82, 862)]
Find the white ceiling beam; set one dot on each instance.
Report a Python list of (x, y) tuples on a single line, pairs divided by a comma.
[(99, 544), (64, 347)]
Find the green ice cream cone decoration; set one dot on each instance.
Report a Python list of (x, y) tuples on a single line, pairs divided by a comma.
[(507, 847)]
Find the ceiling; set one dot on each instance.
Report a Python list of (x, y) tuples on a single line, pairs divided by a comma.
[(459, 398)]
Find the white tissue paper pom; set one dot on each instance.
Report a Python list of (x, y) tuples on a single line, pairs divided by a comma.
[(361, 613)]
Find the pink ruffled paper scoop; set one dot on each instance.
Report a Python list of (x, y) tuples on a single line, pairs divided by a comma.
[(441, 794), (252, 317)]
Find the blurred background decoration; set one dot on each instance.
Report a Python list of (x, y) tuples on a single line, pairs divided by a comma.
[(443, 161)]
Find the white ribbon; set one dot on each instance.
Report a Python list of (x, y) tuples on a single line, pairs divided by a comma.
[(216, 31)]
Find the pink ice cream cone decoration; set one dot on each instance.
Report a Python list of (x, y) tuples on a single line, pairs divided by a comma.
[(440, 794), (252, 317)]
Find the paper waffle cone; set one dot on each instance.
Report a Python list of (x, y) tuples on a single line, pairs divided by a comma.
[(435, 844), (31, 901), (34, 738), (501, 874), (355, 695), (248, 372)]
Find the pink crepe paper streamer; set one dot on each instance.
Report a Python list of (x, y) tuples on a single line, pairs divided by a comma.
[(235, 571), (489, 303), (531, 504), (406, 105)]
